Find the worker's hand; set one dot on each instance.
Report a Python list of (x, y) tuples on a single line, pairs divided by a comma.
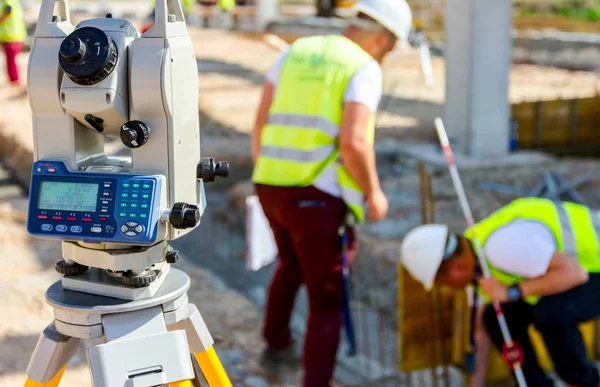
[(377, 206), (495, 290)]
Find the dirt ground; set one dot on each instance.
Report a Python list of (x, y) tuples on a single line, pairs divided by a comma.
[(231, 72)]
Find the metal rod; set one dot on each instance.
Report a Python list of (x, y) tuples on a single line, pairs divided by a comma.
[(432, 336), (380, 342), (445, 360), (538, 124), (462, 198), (430, 201), (436, 292), (366, 340), (422, 191), (574, 110)]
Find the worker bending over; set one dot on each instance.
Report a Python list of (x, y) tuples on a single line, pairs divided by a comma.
[(545, 270), (312, 146)]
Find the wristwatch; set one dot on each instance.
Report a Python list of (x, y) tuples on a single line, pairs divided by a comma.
[(514, 293)]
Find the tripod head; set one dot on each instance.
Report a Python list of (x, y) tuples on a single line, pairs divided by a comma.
[(103, 79)]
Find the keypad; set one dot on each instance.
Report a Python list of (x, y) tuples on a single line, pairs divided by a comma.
[(135, 200), (132, 229), (121, 200)]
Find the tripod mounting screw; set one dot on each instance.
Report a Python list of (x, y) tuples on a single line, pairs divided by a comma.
[(207, 170), (139, 280), (69, 268), (172, 256), (184, 215), (134, 134)]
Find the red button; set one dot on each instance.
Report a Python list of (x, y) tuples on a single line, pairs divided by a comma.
[(57, 218), (51, 170), (103, 219), (71, 218), (86, 219), (42, 216)]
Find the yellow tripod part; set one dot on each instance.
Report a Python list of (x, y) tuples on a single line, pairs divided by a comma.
[(212, 369), (183, 383), (52, 383)]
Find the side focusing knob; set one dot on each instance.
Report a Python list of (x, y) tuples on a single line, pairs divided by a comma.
[(208, 169), (134, 134), (184, 216)]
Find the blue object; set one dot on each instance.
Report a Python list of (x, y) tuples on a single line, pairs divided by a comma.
[(93, 207), (514, 135), (347, 313)]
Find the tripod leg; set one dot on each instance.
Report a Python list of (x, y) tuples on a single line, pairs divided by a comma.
[(50, 357), (200, 342), (52, 383), (183, 383), (212, 368)]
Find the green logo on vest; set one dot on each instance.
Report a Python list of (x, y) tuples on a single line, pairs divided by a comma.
[(315, 59)]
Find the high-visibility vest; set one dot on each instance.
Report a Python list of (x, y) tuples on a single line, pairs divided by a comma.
[(13, 28), (575, 228), (226, 5), (301, 137)]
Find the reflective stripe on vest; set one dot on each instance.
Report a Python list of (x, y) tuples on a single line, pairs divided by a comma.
[(300, 121), (300, 139), (575, 228), (318, 154), (566, 230)]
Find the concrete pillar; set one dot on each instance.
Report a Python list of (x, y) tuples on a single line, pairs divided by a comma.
[(266, 12), (478, 59)]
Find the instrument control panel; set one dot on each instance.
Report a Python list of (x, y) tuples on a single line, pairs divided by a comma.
[(93, 207)]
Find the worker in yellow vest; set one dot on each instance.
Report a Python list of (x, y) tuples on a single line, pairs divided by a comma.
[(312, 146), (226, 5), (544, 260), (187, 6), (12, 36)]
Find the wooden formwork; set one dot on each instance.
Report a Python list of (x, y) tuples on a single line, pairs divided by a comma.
[(433, 327), (569, 126)]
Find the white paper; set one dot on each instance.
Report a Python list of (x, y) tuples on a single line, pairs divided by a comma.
[(262, 249)]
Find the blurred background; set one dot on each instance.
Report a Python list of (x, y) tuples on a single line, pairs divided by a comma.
[(533, 131)]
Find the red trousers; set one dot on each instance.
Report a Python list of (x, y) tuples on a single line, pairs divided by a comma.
[(305, 223), (11, 49)]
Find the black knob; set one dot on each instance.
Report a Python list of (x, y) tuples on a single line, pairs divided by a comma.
[(207, 170), (134, 134), (72, 49), (69, 268), (96, 122), (222, 169), (172, 256), (184, 215), (88, 55)]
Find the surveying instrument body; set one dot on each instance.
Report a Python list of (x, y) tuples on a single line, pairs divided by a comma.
[(115, 214)]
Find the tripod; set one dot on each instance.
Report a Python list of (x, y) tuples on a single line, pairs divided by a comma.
[(139, 343)]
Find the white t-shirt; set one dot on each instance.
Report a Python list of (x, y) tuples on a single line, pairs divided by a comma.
[(365, 88), (522, 247)]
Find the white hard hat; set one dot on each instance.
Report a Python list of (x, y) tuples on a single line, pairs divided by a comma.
[(423, 250), (394, 15)]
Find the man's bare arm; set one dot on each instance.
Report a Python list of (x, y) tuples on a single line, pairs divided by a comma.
[(261, 118), (564, 273), (358, 154)]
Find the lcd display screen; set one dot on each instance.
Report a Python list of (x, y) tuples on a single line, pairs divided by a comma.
[(62, 196)]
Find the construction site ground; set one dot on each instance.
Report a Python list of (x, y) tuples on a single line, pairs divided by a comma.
[(231, 69)]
